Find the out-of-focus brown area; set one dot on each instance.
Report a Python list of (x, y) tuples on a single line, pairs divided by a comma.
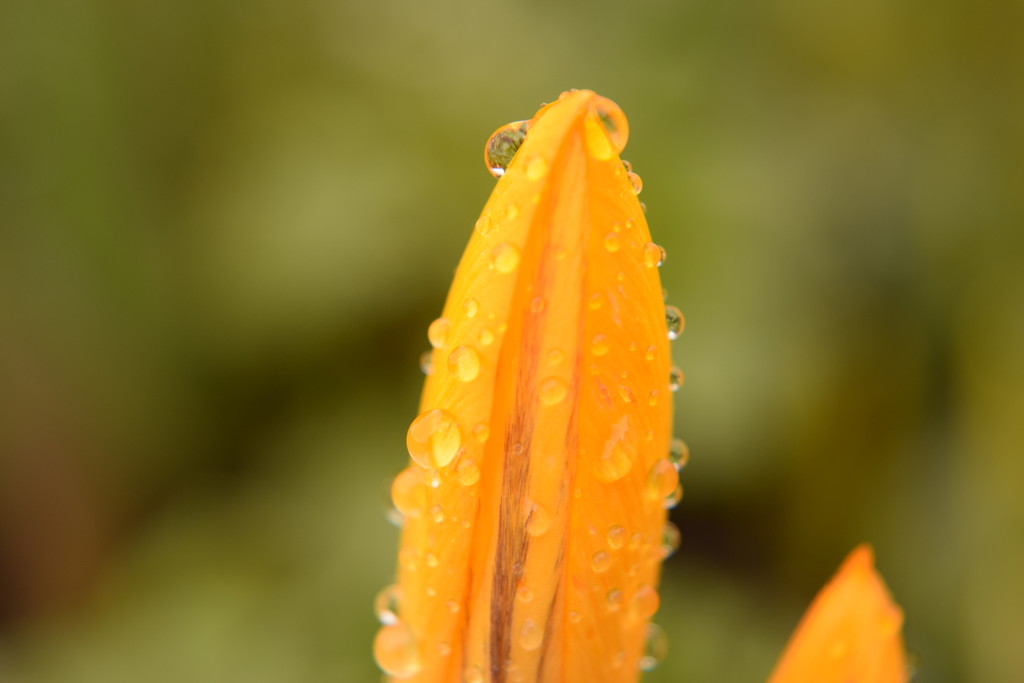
[(225, 227)]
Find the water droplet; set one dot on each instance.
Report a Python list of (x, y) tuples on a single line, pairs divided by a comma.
[(651, 352), (626, 394), (575, 617), (466, 472), (556, 356), (553, 391), (538, 522), (655, 648), (652, 398), (643, 207), (616, 537), (504, 257), (612, 242), (464, 363), (511, 211), (437, 513), (634, 540), (613, 600), (427, 362), (486, 336), (524, 594), (386, 604), (635, 182), (395, 651), (537, 304), (434, 438), (675, 321), (408, 493), (484, 225), (600, 345), (595, 301), (537, 168), (628, 166), (600, 562), (471, 307), (481, 432), (670, 539), (678, 453), (645, 602), (502, 146), (654, 255), (473, 674), (530, 635), (675, 379), (432, 559), (673, 498), (437, 333), (661, 480), (613, 121), (614, 463)]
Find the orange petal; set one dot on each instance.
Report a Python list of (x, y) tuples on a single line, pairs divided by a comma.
[(535, 504), (850, 634)]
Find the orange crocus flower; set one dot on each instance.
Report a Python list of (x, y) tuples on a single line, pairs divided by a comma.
[(850, 634), (534, 509), (535, 505)]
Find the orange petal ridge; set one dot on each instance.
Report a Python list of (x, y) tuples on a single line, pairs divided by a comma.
[(850, 634), (535, 506)]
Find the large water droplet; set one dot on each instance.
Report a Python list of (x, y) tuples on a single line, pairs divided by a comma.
[(654, 255), (395, 651), (408, 493), (678, 453), (471, 307), (387, 603), (434, 438), (531, 635), (662, 480), (612, 242), (645, 602), (464, 363), (670, 539), (504, 257), (502, 146), (673, 498), (674, 320), (614, 463), (600, 562), (437, 333), (616, 537), (437, 513), (486, 336), (484, 225), (427, 362), (655, 647), (608, 137), (552, 391), (675, 379), (635, 182)]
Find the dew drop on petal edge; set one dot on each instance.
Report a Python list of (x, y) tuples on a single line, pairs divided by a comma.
[(655, 648), (674, 320), (434, 438), (502, 146), (654, 256), (394, 648)]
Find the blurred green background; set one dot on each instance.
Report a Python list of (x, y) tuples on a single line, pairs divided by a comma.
[(225, 226)]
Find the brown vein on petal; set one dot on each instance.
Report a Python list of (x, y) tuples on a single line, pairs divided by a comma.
[(513, 540)]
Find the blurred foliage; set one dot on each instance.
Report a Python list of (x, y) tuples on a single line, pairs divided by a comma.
[(225, 226)]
